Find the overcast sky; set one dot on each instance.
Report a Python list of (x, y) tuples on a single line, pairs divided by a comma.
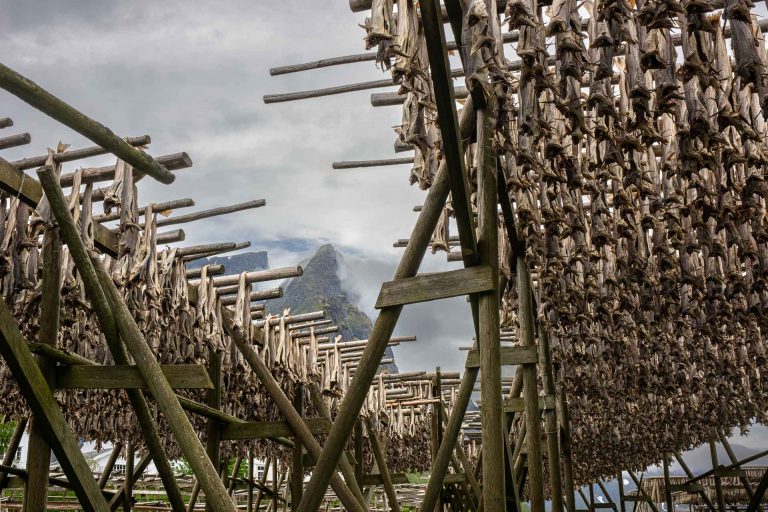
[(192, 75)]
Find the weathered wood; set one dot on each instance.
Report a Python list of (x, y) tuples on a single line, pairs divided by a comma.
[(357, 164), (237, 247), (75, 154), (530, 389), (6, 122), (297, 457), (517, 404), (204, 248), (290, 319), (127, 488), (110, 464), (39, 451), (118, 323), (179, 376), (274, 293), (250, 479), (732, 456), (300, 429), (10, 451), (13, 141), (551, 423), (177, 235), (667, 488), (271, 429), (762, 487), (381, 462), (507, 356), (258, 276), (213, 212), (172, 162), (213, 398), (643, 496), (718, 483), (165, 206), (704, 496), (377, 479), (45, 409), (233, 476), (441, 285), (213, 270), (345, 466), (28, 91)]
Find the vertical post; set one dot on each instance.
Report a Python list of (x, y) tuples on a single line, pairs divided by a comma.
[(689, 474), (565, 443), (212, 427), (550, 421), (620, 482), (358, 444), (128, 494), (249, 503), (297, 464), (437, 426), (530, 391), (489, 344), (732, 456), (667, 489), (718, 481), (263, 482), (39, 454)]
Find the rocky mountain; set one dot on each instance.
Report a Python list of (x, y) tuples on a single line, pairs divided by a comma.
[(321, 288)]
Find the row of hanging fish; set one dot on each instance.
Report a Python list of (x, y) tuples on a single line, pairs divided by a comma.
[(635, 157), (155, 287)]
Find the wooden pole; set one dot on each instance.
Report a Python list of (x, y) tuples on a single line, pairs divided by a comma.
[(620, 483), (297, 463), (193, 497), (551, 423), (6, 122), (74, 154), (213, 212), (39, 454), (263, 482), (165, 206), (249, 483), (13, 446), (212, 426), (565, 444), (357, 164), (13, 141), (298, 426), (718, 482), (358, 447), (732, 456), (640, 489), (347, 471), (754, 503), (667, 485), (128, 493), (381, 462), (28, 91), (104, 312), (15, 350), (109, 466), (704, 497), (233, 476)]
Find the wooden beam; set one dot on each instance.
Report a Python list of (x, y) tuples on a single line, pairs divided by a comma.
[(75, 154), (172, 162), (6, 122), (28, 91), (357, 164), (397, 479), (179, 376), (118, 323), (440, 285), (381, 462), (12, 141), (509, 356), (517, 404), (762, 487), (10, 450), (258, 276), (213, 212), (169, 237), (165, 206), (272, 429), (45, 409)]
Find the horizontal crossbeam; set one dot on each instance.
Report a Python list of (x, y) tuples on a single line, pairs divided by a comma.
[(180, 376), (510, 356), (271, 429), (440, 285)]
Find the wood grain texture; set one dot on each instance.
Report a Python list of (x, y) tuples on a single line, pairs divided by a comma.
[(510, 356), (272, 429), (180, 376), (442, 285)]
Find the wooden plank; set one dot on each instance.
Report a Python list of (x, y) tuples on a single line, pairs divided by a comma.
[(546, 403), (454, 478), (728, 472), (440, 285), (18, 183), (509, 356), (397, 479), (637, 498), (180, 376), (270, 429), (691, 488), (39, 397)]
